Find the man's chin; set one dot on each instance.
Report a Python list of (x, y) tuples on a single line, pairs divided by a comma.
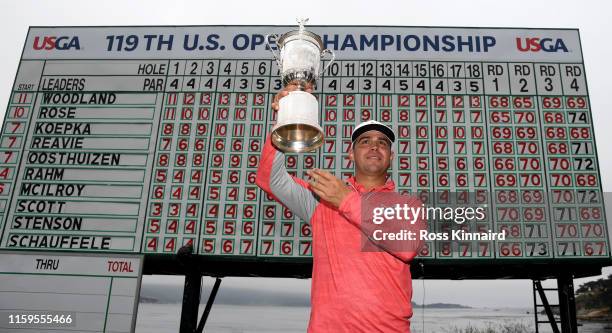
[(375, 169)]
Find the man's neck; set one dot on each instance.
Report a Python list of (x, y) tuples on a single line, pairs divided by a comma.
[(370, 181)]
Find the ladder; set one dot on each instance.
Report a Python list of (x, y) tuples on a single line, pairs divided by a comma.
[(566, 306), (541, 292)]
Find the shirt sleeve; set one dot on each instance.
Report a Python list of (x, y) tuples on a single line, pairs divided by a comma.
[(406, 250), (272, 177)]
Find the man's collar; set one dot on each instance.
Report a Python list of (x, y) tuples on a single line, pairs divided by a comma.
[(389, 185)]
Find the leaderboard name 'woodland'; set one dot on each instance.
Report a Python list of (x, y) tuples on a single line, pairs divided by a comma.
[(79, 98)]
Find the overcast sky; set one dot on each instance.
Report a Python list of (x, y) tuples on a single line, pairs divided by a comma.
[(593, 18)]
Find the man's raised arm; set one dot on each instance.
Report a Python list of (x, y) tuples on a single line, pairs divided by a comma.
[(273, 178)]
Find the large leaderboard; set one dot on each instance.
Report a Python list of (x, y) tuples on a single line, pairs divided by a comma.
[(145, 139)]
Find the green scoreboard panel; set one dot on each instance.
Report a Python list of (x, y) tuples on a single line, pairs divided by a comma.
[(145, 139)]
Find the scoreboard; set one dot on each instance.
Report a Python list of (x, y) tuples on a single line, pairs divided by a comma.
[(145, 139)]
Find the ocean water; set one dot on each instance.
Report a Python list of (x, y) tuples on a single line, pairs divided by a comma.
[(165, 318)]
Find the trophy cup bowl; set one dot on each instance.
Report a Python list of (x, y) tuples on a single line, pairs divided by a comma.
[(297, 126)]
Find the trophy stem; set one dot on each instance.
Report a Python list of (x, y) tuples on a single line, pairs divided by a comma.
[(304, 86)]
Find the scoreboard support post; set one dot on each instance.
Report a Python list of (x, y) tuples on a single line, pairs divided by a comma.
[(191, 302), (191, 290), (567, 303), (211, 300)]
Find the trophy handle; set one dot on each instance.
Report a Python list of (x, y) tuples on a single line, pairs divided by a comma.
[(274, 53), (331, 61)]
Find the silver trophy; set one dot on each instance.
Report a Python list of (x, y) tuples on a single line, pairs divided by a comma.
[(297, 126)]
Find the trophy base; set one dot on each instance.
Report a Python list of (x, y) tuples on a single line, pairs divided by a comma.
[(297, 126), (297, 138)]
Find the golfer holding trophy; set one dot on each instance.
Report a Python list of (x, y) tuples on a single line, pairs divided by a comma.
[(353, 290)]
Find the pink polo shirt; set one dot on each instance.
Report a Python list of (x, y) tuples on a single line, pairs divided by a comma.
[(352, 290)]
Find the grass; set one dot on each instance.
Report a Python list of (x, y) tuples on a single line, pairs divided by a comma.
[(508, 327)]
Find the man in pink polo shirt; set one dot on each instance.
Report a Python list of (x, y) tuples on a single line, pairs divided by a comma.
[(353, 290)]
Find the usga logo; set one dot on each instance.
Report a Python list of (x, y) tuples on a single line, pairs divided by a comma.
[(56, 43), (536, 44)]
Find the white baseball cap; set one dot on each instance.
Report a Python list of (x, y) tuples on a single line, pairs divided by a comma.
[(372, 125)]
